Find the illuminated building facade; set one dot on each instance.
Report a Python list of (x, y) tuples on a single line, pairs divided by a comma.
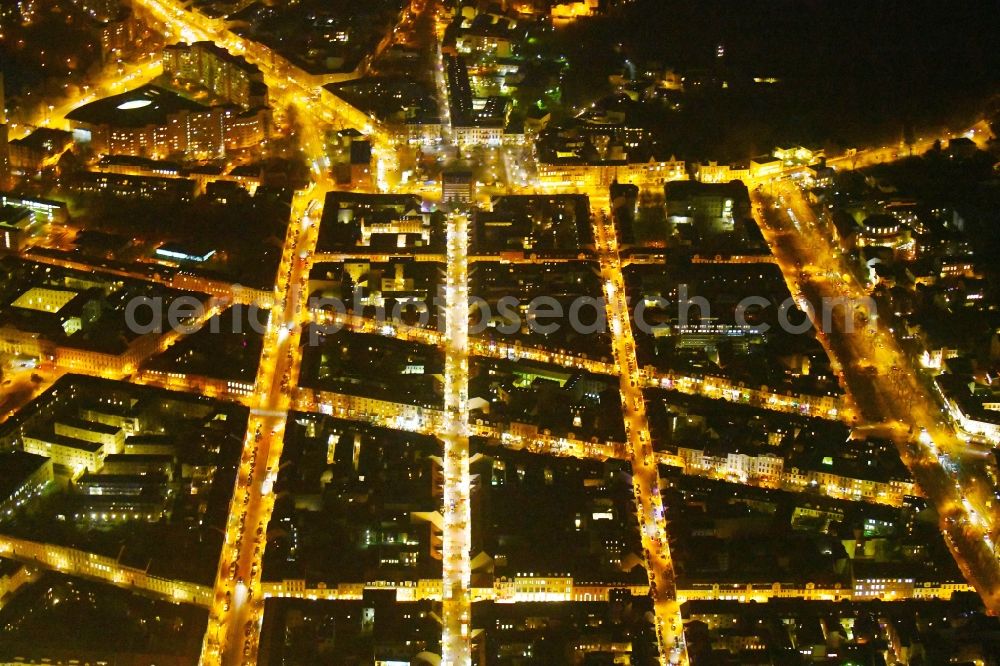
[(119, 33), (24, 475), (15, 227), (568, 10), (140, 187), (153, 122), (228, 77), (66, 451), (602, 175)]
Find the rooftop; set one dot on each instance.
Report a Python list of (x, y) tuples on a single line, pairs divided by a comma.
[(681, 189), (137, 162), (68, 442), (15, 467), (218, 52), (14, 217), (45, 299), (45, 139), (89, 426), (148, 105)]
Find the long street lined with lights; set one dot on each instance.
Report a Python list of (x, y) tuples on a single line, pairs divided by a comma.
[(237, 598), (237, 609), (645, 475), (807, 257)]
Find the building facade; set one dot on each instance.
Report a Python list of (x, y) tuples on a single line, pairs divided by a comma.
[(228, 77)]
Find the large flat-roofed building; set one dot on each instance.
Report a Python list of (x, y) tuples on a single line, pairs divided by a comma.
[(227, 76), (139, 464), (21, 476), (153, 445), (184, 253), (48, 209), (80, 312), (119, 484), (712, 203), (45, 299), (155, 122), (15, 227), (136, 187), (130, 165), (765, 166), (103, 509)]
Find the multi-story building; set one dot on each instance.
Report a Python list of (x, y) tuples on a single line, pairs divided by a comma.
[(45, 209), (970, 405), (718, 203), (361, 165), (740, 465), (45, 299), (154, 122), (530, 587), (420, 131), (121, 485), (24, 475), (799, 155), (140, 464), (457, 186), (601, 175), (567, 10), (228, 77), (713, 172), (118, 34), (137, 166), (109, 436), (150, 445), (120, 416), (474, 122), (15, 227), (101, 10), (40, 149), (765, 167), (139, 187), (66, 451)]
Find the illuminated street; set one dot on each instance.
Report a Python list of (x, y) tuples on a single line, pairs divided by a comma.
[(457, 608), (877, 369), (237, 604), (329, 483), (645, 476)]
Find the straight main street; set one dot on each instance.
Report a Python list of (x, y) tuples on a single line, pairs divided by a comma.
[(645, 475), (873, 365), (456, 638), (236, 612), (882, 377)]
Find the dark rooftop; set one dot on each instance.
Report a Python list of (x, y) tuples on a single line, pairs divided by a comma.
[(148, 105), (71, 442), (15, 467)]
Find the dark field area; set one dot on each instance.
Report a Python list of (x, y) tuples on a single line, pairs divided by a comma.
[(849, 72)]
